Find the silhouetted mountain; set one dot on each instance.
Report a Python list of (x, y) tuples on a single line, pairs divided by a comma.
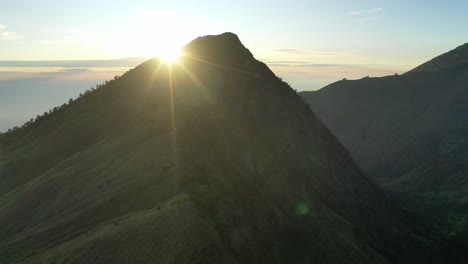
[(456, 59), (209, 160), (410, 133)]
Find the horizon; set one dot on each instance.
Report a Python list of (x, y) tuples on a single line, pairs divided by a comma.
[(65, 79), (309, 44), (326, 39)]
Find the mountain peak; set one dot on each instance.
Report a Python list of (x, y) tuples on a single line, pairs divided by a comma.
[(226, 46), (229, 40), (453, 60), (225, 50)]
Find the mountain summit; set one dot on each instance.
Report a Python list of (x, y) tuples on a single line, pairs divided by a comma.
[(209, 160), (226, 50)]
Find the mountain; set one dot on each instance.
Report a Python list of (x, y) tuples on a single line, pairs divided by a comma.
[(209, 160), (409, 132), (451, 61)]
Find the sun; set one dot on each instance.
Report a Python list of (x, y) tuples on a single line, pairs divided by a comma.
[(169, 55), (163, 42)]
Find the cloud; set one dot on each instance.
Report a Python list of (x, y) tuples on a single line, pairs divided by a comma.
[(124, 62), (366, 15), (61, 74), (283, 61), (72, 37), (364, 12), (302, 64), (289, 50), (8, 35), (74, 70), (313, 53)]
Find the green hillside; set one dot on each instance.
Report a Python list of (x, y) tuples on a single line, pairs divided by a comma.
[(209, 160)]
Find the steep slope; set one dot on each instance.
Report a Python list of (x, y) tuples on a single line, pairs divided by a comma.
[(409, 132), (209, 160), (455, 59)]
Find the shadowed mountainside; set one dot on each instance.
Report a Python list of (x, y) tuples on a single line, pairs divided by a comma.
[(451, 61), (410, 133), (209, 160)]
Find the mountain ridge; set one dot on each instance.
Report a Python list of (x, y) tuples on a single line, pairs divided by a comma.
[(209, 160), (456, 59), (409, 133)]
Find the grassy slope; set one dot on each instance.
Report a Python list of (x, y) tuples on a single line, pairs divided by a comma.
[(230, 166)]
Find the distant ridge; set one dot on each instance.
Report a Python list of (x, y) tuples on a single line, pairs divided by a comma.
[(455, 59), (410, 133)]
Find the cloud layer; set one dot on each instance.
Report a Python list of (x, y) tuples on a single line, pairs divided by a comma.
[(73, 69), (312, 53), (365, 11), (8, 35)]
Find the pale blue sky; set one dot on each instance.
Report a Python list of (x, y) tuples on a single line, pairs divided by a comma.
[(307, 43), (387, 31)]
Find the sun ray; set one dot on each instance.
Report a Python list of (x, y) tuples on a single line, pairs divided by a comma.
[(224, 66), (195, 79), (147, 87), (173, 123), (170, 55)]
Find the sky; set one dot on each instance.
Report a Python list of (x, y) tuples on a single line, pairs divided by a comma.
[(308, 43)]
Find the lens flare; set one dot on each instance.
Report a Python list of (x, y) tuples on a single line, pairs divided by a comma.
[(169, 55)]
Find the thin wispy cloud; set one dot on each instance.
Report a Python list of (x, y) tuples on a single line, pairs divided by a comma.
[(73, 37), (313, 53), (124, 62), (8, 35), (365, 11), (301, 64), (67, 69)]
